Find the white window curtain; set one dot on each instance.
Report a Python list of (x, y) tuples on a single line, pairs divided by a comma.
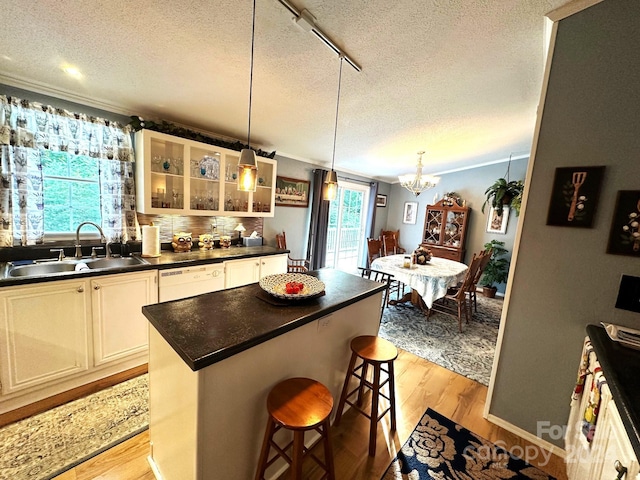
[(26, 130)]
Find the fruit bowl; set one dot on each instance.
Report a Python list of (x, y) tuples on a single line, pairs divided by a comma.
[(277, 284)]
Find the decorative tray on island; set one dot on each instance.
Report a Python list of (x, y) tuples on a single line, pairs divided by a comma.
[(292, 286)]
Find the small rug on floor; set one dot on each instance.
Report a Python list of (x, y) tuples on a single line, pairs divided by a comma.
[(440, 449), (47, 444), (438, 340)]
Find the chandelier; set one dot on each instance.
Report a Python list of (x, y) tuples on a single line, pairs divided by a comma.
[(417, 183)]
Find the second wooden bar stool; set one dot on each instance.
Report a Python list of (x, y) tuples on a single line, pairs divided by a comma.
[(374, 351), (300, 405)]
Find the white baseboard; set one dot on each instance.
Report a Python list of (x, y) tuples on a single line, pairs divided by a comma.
[(530, 437), (154, 468)]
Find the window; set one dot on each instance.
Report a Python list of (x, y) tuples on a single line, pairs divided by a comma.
[(71, 191)]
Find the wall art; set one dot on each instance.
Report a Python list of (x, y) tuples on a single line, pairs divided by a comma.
[(292, 192), (410, 213), (498, 223), (381, 200), (624, 237), (574, 196)]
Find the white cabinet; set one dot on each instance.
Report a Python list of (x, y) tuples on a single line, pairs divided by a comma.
[(179, 176), (43, 333), (610, 444), (56, 336), (119, 327), (613, 448), (250, 270)]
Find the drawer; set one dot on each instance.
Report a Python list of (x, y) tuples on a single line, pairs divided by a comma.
[(447, 253)]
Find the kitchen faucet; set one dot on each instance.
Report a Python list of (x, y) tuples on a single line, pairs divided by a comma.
[(107, 253)]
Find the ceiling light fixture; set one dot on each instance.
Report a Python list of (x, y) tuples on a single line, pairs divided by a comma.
[(248, 165), (331, 183), (71, 71), (417, 183)]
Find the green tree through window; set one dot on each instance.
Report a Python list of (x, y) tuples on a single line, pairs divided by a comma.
[(71, 191)]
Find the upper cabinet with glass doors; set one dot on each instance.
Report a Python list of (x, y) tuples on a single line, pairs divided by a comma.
[(179, 176)]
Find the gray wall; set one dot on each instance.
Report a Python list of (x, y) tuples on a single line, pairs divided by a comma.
[(563, 279), (295, 220), (470, 185)]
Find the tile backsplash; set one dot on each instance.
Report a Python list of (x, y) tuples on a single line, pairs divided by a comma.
[(198, 225)]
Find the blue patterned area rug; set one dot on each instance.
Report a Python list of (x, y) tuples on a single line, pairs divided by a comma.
[(441, 449), (45, 445), (438, 340)]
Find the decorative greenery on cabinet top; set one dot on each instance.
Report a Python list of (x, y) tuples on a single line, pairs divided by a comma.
[(138, 123)]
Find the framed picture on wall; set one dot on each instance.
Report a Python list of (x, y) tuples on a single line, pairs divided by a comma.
[(381, 200), (624, 236), (498, 223), (574, 196), (292, 192), (410, 213)]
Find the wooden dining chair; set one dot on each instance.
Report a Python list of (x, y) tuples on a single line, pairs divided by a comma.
[(390, 245), (455, 302), (374, 250), (381, 277), (473, 290), (396, 233), (294, 265)]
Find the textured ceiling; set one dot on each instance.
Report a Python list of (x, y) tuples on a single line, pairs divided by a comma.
[(459, 79)]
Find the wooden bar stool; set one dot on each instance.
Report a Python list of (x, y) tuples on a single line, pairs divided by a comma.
[(374, 351), (298, 404)]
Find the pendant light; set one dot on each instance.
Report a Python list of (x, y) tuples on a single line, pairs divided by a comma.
[(331, 183), (247, 165), (417, 183)]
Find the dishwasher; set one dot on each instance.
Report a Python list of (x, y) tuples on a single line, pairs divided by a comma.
[(177, 283)]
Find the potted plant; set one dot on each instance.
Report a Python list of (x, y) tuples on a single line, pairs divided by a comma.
[(503, 193), (496, 271)]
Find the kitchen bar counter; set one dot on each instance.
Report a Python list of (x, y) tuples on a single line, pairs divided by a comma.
[(168, 259), (621, 367), (214, 358), (242, 320)]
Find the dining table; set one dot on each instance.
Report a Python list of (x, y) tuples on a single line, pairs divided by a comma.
[(428, 282)]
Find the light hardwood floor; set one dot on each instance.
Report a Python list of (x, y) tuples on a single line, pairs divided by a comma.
[(419, 384)]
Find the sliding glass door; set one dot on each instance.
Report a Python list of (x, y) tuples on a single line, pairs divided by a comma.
[(346, 228)]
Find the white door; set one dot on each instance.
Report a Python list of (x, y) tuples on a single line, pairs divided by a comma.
[(119, 327), (346, 229), (43, 333)]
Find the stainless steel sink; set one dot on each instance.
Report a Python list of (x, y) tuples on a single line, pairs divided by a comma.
[(71, 266), (38, 269), (113, 262)]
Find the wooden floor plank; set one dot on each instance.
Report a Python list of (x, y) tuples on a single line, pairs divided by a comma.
[(419, 384)]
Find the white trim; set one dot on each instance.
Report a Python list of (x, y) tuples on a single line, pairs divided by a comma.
[(523, 211), (154, 467), (530, 437), (571, 8)]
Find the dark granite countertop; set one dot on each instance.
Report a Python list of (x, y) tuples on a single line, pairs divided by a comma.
[(168, 259), (621, 368), (208, 328)]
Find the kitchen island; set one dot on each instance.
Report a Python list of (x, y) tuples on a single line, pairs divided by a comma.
[(213, 359)]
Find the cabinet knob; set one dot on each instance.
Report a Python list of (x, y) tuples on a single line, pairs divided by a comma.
[(96, 287), (621, 469), (80, 289)]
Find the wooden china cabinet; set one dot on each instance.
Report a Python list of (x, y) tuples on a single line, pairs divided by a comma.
[(445, 228)]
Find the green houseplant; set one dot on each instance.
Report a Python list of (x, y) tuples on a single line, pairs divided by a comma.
[(503, 193), (496, 271)]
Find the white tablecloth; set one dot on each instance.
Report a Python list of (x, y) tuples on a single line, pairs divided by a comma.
[(430, 281)]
